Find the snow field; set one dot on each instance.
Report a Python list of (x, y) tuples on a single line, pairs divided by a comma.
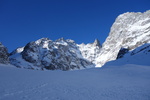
[(127, 82)]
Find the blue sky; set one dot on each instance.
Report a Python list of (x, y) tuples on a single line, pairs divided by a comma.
[(22, 21)]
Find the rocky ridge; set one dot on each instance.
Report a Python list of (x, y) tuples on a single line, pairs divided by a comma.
[(4, 55), (130, 30), (60, 54), (138, 56)]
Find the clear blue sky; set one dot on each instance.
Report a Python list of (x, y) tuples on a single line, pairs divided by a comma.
[(22, 21)]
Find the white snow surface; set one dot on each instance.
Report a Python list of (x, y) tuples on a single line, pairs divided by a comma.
[(126, 82), (140, 56)]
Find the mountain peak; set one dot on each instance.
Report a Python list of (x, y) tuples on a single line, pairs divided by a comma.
[(42, 40), (97, 43), (70, 41), (1, 45), (60, 39), (129, 30)]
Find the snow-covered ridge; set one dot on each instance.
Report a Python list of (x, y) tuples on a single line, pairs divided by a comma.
[(138, 56), (90, 51), (59, 54), (130, 30)]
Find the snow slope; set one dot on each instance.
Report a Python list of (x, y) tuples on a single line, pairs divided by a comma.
[(139, 56), (126, 82)]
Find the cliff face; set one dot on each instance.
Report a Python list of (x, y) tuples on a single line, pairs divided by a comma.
[(60, 54), (130, 30), (90, 51), (4, 56)]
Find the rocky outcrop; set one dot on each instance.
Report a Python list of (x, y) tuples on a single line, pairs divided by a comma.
[(137, 56), (130, 30), (60, 54), (122, 52), (90, 51), (4, 56)]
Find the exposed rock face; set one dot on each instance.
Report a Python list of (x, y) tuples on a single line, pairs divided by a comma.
[(4, 56), (90, 51), (144, 49), (130, 30), (60, 54), (122, 52), (137, 56)]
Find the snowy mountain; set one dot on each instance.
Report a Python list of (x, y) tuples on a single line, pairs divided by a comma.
[(130, 30), (60, 54), (90, 51), (4, 56)]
